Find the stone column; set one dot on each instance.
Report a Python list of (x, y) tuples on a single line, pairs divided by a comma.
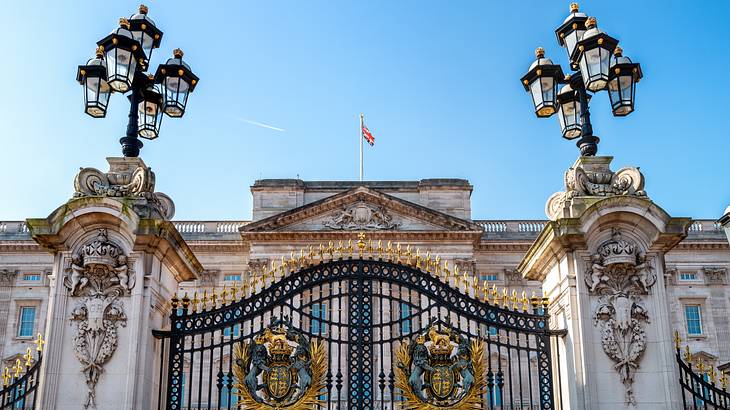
[(7, 281), (601, 261), (117, 261)]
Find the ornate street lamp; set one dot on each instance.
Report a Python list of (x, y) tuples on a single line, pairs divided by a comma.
[(595, 69), (121, 60)]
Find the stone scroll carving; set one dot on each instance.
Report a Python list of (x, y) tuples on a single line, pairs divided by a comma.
[(132, 180), (595, 180), (99, 274), (361, 216), (619, 275)]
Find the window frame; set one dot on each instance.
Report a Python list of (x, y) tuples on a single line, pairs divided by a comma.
[(699, 319), (319, 319), (32, 281), (695, 276), (226, 277), (19, 325)]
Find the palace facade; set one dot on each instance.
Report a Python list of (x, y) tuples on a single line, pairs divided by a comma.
[(432, 216)]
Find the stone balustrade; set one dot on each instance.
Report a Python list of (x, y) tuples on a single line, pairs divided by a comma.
[(197, 229)]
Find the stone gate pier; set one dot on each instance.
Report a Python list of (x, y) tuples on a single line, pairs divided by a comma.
[(117, 262), (601, 260)]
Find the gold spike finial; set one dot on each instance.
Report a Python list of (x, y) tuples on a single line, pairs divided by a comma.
[(195, 301), (677, 340), (687, 355), (723, 381), (713, 375), (6, 377), (39, 342), (17, 368), (28, 358), (495, 295), (524, 301)]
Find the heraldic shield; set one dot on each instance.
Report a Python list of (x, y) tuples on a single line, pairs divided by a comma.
[(440, 369), (281, 369)]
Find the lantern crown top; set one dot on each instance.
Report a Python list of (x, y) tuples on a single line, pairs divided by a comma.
[(143, 9), (591, 22), (574, 7), (99, 51), (540, 52), (618, 52), (177, 53), (124, 23)]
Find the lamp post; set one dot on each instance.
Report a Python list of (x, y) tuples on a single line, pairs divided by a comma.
[(122, 59), (597, 63)]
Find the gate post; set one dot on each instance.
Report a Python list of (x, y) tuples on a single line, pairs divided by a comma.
[(117, 262), (601, 262)]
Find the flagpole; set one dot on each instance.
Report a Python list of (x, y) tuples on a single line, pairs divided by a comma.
[(361, 138)]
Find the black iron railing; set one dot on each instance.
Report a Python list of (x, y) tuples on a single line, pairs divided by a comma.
[(20, 383), (702, 386)]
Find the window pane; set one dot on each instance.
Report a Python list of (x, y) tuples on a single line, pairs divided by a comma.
[(694, 320), (405, 313), (232, 277), (32, 277), (27, 320)]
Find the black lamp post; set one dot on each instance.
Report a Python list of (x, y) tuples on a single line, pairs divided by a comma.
[(121, 60), (590, 52)]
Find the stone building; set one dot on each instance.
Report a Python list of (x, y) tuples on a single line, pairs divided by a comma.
[(433, 216)]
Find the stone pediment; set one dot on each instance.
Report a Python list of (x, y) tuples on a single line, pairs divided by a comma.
[(361, 209)]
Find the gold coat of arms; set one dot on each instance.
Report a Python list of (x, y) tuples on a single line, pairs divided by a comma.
[(280, 369), (440, 369)]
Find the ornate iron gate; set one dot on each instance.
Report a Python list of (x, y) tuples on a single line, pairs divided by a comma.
[(702, 387), (358, 327)]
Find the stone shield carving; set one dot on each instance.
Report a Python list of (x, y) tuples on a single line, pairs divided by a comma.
[(361, 216), (619, 275), (99, 275), (280, 369)]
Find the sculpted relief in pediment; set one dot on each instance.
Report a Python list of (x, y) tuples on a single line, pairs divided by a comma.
[(361, 216)]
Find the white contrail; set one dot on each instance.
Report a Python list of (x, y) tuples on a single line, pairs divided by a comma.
[(262, 125)]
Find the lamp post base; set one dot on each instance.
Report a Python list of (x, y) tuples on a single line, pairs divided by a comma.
[(588, 145), (130, 146)]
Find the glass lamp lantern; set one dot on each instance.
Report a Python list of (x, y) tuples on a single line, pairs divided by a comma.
[(622, 80), (593, 56), (569, 112), (150, 113), (122, 54), (143, 30), (92, 77), (541, 81), (571, 31), (177, 82)]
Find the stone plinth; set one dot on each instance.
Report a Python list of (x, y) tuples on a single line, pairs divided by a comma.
[(117, 261), (601, 262)]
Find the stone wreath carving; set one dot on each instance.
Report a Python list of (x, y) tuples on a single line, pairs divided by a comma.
[(138, 183), (619, 275), (600, 182), (99, 274), (361, 216)]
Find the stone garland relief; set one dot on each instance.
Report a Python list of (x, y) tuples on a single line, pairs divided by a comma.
[(99, 274), (619, 274)]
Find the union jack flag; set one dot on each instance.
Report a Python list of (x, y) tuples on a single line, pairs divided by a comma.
[(368, 135)]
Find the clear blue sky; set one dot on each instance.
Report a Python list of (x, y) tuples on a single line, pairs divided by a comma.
[(438, 82)]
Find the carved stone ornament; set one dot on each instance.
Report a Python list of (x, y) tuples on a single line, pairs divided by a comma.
[(281, 369), (593, 178), (7, 277), (513, 277), (361, 216), (100, 274), (619, 275), (127, 178), (715, 275), (440, 369)]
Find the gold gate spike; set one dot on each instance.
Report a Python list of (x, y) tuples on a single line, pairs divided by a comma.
[(28, 358), (39, 342), (6, 377)]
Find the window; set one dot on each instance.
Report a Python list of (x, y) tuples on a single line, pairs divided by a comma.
[(405, 313), (693, 315), (233, 277), (182, 389), (493, 331), (489, 277), (228, 396), (236, 330), (496, 396), (32, 277), (688, 276), (319, 312), (26, 322)]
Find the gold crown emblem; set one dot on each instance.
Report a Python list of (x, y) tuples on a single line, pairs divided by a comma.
[(278, 345), (440, 342)]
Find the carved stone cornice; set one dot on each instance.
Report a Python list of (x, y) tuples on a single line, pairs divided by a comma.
[(403, 236), (715, 275), (7, 277)]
